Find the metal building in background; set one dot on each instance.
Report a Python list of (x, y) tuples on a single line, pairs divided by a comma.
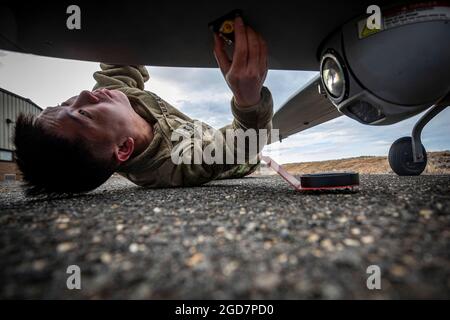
[(11, 105)]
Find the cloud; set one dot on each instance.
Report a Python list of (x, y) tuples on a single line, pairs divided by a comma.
[(216, 114), (283, 84)]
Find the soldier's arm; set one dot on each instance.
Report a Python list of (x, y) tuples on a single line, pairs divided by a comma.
[(119, 77), (192, 150), (245, 74), (251, 106), (258, 116)]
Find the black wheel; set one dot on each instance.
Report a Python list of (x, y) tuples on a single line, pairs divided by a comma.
[(401, 158)]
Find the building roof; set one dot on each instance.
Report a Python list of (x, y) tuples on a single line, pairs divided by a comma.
[(20, 97)]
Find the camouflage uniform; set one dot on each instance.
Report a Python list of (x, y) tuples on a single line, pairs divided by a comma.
[(154, 166)]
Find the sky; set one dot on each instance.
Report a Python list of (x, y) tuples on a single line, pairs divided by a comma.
[(203, 94)]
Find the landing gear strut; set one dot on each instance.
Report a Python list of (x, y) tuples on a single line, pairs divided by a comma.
[(407, 155)]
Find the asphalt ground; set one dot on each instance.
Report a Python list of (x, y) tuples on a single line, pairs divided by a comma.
[(248, 238)]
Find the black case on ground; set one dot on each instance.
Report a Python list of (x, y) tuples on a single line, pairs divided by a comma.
[(329, 180)]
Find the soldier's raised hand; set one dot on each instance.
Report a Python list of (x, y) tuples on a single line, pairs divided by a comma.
[(246, 72)]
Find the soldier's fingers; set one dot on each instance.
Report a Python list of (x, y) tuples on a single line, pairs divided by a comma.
[(240, 54), (253, 49), (221, 55)]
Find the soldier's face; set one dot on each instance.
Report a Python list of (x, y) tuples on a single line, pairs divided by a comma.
[(101, 117)]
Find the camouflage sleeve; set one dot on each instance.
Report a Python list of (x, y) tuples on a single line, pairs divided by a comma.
[(255, 117), (119, 77), (203, 161)]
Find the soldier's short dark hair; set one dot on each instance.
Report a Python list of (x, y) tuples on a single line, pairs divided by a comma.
[(52, 165)]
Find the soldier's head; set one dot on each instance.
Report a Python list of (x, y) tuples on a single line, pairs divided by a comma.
[(76, 146)]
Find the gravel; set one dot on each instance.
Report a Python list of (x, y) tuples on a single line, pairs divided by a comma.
[(252, 238)]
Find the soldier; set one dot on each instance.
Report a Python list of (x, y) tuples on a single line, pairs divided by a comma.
[(120, 127)]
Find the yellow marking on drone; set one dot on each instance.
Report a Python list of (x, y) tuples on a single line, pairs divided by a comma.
[(364, 31), (227, 27), (367, 32)]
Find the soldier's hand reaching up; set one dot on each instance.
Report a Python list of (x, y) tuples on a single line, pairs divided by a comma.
[(246, 72)]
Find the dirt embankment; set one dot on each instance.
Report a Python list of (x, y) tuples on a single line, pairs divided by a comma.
[(438, 163)]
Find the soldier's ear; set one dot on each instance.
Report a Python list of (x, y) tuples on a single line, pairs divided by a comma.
[(124, 151)]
